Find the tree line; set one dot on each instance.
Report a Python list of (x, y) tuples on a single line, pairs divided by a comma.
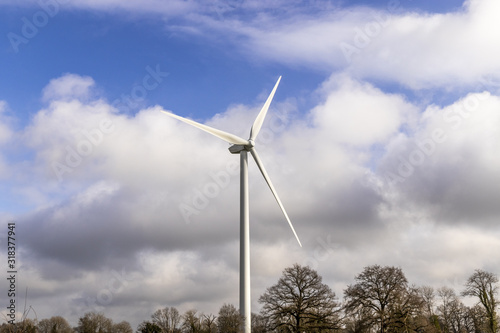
[(380, 300)]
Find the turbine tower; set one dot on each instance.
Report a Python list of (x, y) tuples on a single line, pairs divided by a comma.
[(242, 147)]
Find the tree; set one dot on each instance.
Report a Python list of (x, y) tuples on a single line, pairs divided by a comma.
[(408, 312), (474, 319), (428, 295), (25, 325), (260, 324), (56, 324), (483, 285), (168, 319), (379, 293), (191, 323), (209, 324), (450, 310), (148, 327), (122, 327), (358, 321), (229, 319), (93, 322), (300, 302)]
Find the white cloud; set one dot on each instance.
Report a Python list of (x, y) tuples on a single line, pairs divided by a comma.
[(68, 87), (419, 50), (433, 50), (127, 178), (453, 174), (359, 114), (366, 176)]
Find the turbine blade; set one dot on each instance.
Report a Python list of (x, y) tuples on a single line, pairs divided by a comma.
[(262, 114), (218, 133), (268, 180)]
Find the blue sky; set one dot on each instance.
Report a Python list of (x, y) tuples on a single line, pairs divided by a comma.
[(126, 46), (382, 141)]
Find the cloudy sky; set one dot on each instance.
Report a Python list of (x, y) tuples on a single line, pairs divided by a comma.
[(382, 142)]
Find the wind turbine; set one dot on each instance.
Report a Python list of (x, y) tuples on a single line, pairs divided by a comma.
[(242, 147)]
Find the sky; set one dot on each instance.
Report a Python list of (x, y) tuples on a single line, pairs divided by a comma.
[(382, 141)]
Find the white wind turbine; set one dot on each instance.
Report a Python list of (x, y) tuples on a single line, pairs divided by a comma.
[(242, 147)]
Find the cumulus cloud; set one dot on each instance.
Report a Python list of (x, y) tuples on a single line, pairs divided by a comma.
[(359, 114), (450, 164), (68, 86), (366, 176), (419, 50)]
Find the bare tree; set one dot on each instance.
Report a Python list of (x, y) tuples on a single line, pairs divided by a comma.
[(25, 325), (452, 311), (448, 308), (191, 323), (229, 319), (474, 319), (483, 285), (122, 327), (260, 324), (148, 327), (209, 323), (358, 321), (93, 322), (428, 297), (168, 319), (56, 324), (408, 312), (379, 292), (300, 302)]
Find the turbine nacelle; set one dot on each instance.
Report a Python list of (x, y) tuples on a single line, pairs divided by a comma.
[(236, 149)]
